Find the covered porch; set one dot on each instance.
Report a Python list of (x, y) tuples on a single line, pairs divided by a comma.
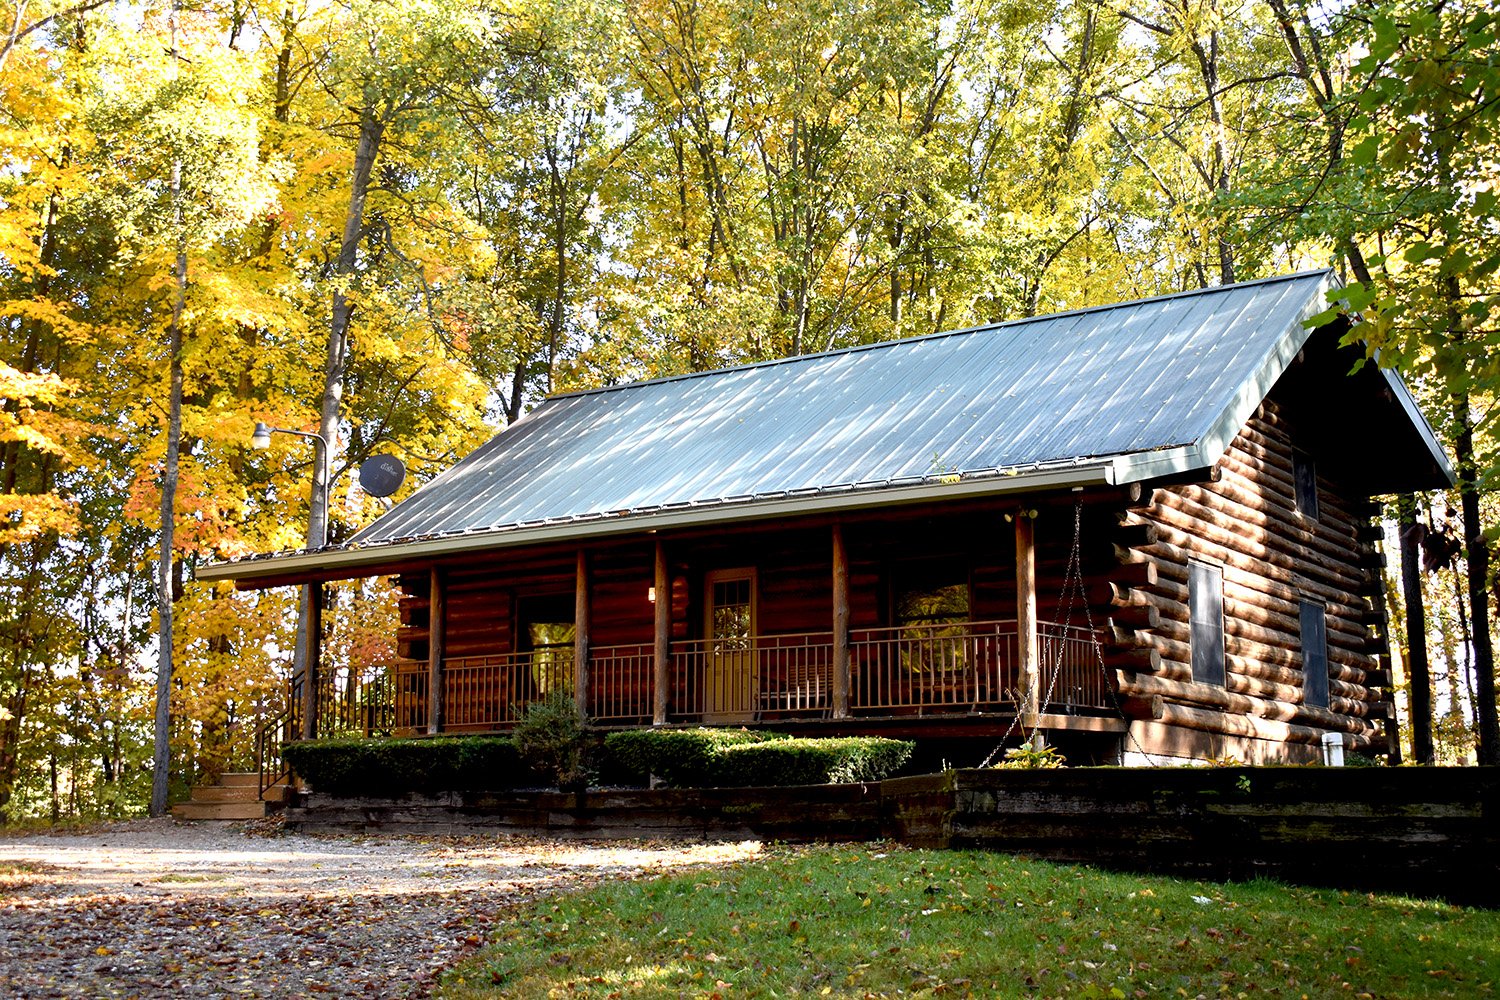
[(894, 674), (717, 646)]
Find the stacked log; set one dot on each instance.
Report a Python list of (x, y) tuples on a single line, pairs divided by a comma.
[(1245, 520)]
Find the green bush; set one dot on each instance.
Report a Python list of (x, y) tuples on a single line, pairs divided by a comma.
[(695, 758), (683, 758), (395, 767), (1029, 758), (550, 740), (815, 761)]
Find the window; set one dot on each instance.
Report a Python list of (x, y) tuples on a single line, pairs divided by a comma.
[(933, 605), (1206, 614), (933, 614), (1305, 484), (545, 630), (1314, 655), (730, 613)]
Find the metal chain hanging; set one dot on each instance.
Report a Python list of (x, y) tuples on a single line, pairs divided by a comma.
[(1072, 593)]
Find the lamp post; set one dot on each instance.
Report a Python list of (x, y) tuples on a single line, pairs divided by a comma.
[(305, 655)]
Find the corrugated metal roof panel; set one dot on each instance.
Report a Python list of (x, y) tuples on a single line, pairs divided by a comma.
[(1113, 381)]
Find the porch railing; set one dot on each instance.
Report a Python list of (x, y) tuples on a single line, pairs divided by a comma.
[(965, 667), (492, 692), (1071, 673), (620, 679), (784, 675), (959, 668)]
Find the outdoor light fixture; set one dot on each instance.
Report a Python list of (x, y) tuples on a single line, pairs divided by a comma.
[(260, 440)]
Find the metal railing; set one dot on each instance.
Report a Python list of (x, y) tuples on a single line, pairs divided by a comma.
[(355, 702), (620, 683), (492, 692), (1072, 676), (956, 668), (959, 667), (274, 734), (783, 674)]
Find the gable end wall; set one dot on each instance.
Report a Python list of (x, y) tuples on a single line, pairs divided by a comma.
[(1272, 557)]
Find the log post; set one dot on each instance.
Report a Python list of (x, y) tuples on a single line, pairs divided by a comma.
[(662, 676), (840, 625), (581, 636), (1026, 626), (436, 627), (312, 594)]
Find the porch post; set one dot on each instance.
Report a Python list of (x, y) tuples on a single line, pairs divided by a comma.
[(312, 656), (662, 676), (840, 625), (1026, 638), (581, 636), (437, 627)]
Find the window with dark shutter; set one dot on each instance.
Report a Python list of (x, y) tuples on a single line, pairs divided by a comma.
[(1314, 655), (1206, 611), (1305, 483)]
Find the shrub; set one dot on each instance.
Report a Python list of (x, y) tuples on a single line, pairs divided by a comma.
[(1028, 758), (394, 767), (683, 758), (734, 757), (815, 761), (550, 740)]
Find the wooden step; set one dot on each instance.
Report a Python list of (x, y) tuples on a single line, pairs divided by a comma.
[(235, 778), (239, 793), (219, 810), (226, 793)]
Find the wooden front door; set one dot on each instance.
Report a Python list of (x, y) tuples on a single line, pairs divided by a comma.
[(730, 683)]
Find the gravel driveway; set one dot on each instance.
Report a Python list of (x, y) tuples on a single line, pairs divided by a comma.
[(156, 909)]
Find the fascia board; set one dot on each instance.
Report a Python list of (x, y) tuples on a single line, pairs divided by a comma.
[(1419, 421), (1143, 465)]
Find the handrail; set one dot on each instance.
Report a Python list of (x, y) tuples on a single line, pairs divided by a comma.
[(275, 731)]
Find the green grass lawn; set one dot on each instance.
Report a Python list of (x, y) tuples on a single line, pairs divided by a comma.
[(885, 921)]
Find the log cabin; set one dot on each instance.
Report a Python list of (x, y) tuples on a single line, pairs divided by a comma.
[(1141, 532)]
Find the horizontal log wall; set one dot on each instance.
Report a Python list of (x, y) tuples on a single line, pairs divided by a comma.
[(1246, 522)]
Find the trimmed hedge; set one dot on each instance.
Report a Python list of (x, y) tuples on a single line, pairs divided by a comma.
[(836, 760), (683, 758), (394, 767), (697, 758)]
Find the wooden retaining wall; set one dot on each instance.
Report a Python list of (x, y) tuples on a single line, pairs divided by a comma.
[(801, 814), (1424, 831)]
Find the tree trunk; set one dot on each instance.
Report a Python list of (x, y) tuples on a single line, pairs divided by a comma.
[(371, 130), (1416, 633), (1477, 556), (161, 757)]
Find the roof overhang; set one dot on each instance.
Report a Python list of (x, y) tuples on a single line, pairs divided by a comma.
[(350, 561)]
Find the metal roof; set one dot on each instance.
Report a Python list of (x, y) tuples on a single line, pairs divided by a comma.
[(1112, 394)]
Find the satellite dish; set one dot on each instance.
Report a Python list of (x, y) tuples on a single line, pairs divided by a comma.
[(381, 475)]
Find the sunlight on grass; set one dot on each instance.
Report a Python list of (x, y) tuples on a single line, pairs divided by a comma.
[(841, 922)]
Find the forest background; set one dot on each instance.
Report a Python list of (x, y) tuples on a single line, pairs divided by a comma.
[(492, 201)]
